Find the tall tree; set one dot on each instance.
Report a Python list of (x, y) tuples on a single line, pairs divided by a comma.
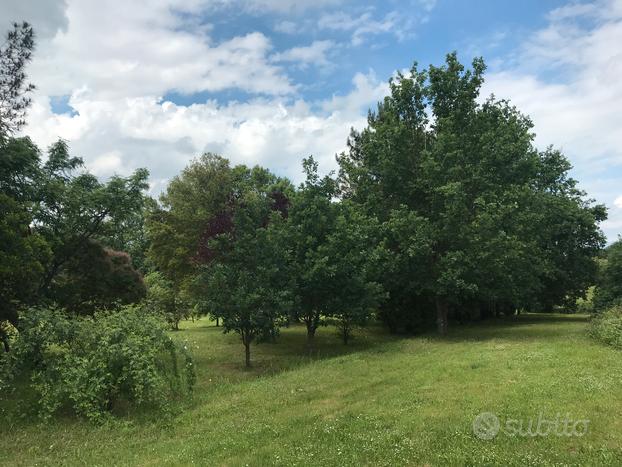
[(350, 253), (55, 227), (163, 299), (14, 88), (76, 209), (608, 290), (471, 182), (312, 218), (245, 264), (176, 227)]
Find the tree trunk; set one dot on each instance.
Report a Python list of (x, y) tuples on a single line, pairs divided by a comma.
[(217, 322), (345, 332), (442, 310), (346, 337), (310, 335), (247, 348), (5, 340)]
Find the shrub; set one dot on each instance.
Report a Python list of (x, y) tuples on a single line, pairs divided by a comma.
[(607, 327), (92, 364)]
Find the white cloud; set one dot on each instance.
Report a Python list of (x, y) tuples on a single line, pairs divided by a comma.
[(148, 50), (580, 111), (313, 54), (115, 68), (47, 17), (107, 164), (365, 24), (400, 23), (618, 202), (119, 135)]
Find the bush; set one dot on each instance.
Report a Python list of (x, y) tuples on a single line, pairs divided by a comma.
[(92, 364), (607, 327)]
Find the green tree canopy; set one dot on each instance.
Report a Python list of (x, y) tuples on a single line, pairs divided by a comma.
[(608, 290), (492, 220)]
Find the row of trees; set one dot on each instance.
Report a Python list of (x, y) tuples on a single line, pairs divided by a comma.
[(442, 208)]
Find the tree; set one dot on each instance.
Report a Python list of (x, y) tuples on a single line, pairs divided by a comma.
[(14, 56), (177, 227), (97, 278), (608, 290), (244, 272), (73, 210), (164, 299), (54, 221), (190, 201), (350, 251), (22, 256), (312, 218), (55, 227), (478, 197)]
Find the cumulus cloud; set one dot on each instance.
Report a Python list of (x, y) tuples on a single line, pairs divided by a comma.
[(150, 49), (115, 69), (119, 135), (47, 17), (313, 54), (579, 113)]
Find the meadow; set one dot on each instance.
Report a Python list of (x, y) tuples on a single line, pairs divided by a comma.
[(383, 400)]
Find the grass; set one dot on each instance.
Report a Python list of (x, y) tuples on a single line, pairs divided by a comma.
[(381, 401)]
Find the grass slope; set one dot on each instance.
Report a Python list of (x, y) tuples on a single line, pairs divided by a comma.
[(382, 401)]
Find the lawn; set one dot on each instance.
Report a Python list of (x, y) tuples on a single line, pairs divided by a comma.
[(380, 401)]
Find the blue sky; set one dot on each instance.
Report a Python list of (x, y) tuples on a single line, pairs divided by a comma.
[(155, 83)]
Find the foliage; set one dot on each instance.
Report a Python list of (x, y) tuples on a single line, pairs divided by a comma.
[(219, 240), (93, 364), (608, 290), (191, 200), (15, 54), (55, 228), (607, 326), (349, 254), (475, 217), (312, 218), (75, 209), (22, 256), (97, 278), (165, 300), (244, 279)]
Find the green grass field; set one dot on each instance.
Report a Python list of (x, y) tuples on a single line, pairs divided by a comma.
[(381, 401)]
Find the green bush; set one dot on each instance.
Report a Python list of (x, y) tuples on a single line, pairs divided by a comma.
[(93, 364), (607, 327)]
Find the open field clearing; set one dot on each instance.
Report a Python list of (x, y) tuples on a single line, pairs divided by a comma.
[(380, 401)]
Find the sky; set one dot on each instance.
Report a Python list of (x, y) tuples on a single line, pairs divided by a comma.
[(155, 83)]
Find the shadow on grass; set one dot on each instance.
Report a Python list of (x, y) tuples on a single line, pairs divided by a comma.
[(528, 326), (224, 358), (219, 359), (223, 355)]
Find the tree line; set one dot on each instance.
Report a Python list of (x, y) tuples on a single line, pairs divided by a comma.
[(442, 209)]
